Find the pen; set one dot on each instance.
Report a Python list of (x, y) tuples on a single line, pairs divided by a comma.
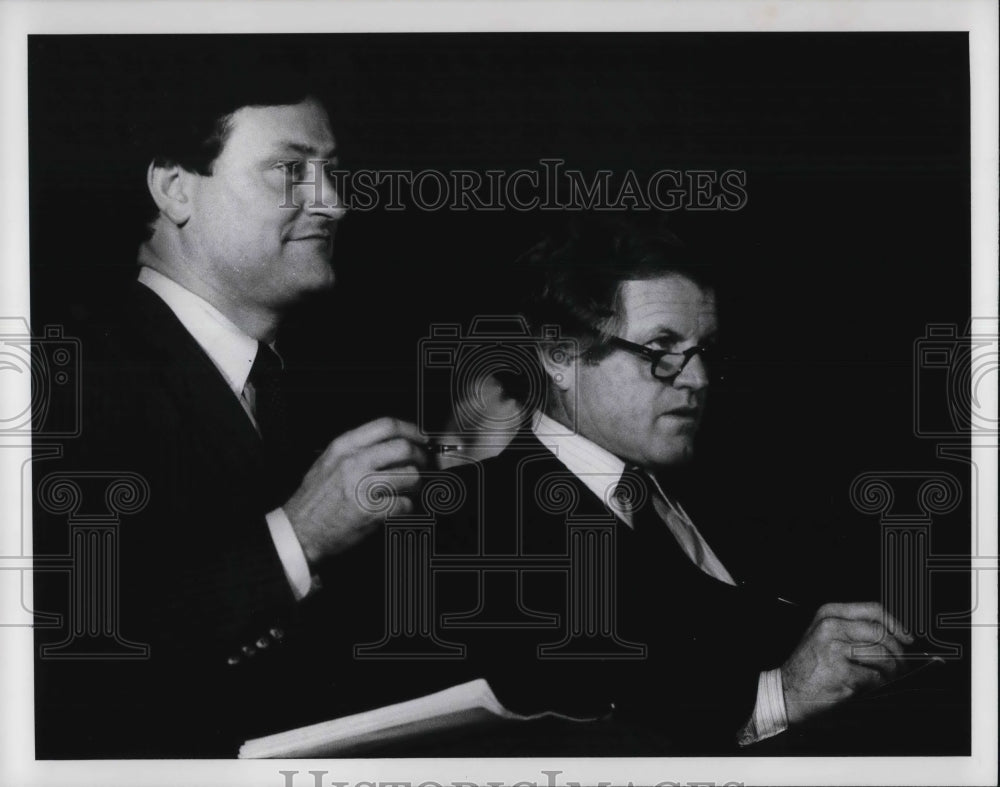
[(431, 448), (912, 655), (442, 448)]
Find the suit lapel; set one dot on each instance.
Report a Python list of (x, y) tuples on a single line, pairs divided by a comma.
[(195, 385), (541, 473), (537, 491)]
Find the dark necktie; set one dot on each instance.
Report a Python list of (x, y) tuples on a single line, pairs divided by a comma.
[(269, 406), (637, 494), (652, 565)]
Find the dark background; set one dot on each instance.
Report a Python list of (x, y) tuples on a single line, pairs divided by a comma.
[(855, 236)]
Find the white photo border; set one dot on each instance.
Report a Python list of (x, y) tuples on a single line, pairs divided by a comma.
[(19, 19)]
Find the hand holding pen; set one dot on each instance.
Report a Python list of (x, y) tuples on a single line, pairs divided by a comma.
[(848, 649), (337, 504)]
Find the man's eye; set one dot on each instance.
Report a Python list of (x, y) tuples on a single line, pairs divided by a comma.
[(291, 167)]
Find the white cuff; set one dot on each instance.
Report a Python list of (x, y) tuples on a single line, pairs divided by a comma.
[(769, 717), (290, 553)]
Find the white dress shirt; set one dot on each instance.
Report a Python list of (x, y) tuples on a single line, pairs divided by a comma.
[(600, 471), (233, 353)]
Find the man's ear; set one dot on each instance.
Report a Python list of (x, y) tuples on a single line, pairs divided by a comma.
[(170, 187), (559, 359)]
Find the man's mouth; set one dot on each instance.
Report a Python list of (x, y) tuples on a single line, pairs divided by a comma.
[(684, 412), (313, 236)]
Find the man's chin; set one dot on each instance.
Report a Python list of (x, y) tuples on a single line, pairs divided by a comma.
[(308, 286), (326, 281), (319, 277), (675, 454)]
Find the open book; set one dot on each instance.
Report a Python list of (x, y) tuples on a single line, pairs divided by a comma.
[(465, 706)]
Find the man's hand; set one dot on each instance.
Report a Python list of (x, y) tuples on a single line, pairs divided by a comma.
[(848, 648), (358, 479)]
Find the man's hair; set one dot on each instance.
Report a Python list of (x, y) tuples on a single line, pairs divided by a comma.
[(185, 109), (573, 279), (576, 278)]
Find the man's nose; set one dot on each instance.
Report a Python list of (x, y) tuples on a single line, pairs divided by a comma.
[(323, 198), (694, 375)]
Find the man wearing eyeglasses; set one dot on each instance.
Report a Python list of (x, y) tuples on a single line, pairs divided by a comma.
[(649, 633)]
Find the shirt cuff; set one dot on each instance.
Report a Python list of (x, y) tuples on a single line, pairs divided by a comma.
[(290, 553), (769, 717)]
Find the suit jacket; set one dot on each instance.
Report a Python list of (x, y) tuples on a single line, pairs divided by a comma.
[(230, 652), (501, 538), (691, 684)]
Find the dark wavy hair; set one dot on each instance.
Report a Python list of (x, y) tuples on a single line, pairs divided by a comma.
[(573, 279), (184, 112)]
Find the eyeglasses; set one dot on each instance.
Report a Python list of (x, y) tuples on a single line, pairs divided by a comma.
[(666, 365)]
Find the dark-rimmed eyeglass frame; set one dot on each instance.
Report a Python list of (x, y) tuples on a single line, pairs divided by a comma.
[(657, 357)]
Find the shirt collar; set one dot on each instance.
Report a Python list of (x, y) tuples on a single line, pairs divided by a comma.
[(231, 350), (596, 467), (600, 471)]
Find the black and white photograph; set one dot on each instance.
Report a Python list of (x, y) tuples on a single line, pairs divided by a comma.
[(606, 395)]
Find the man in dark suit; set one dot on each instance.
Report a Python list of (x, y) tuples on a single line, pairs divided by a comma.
[(227, 582), (648, 630)]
